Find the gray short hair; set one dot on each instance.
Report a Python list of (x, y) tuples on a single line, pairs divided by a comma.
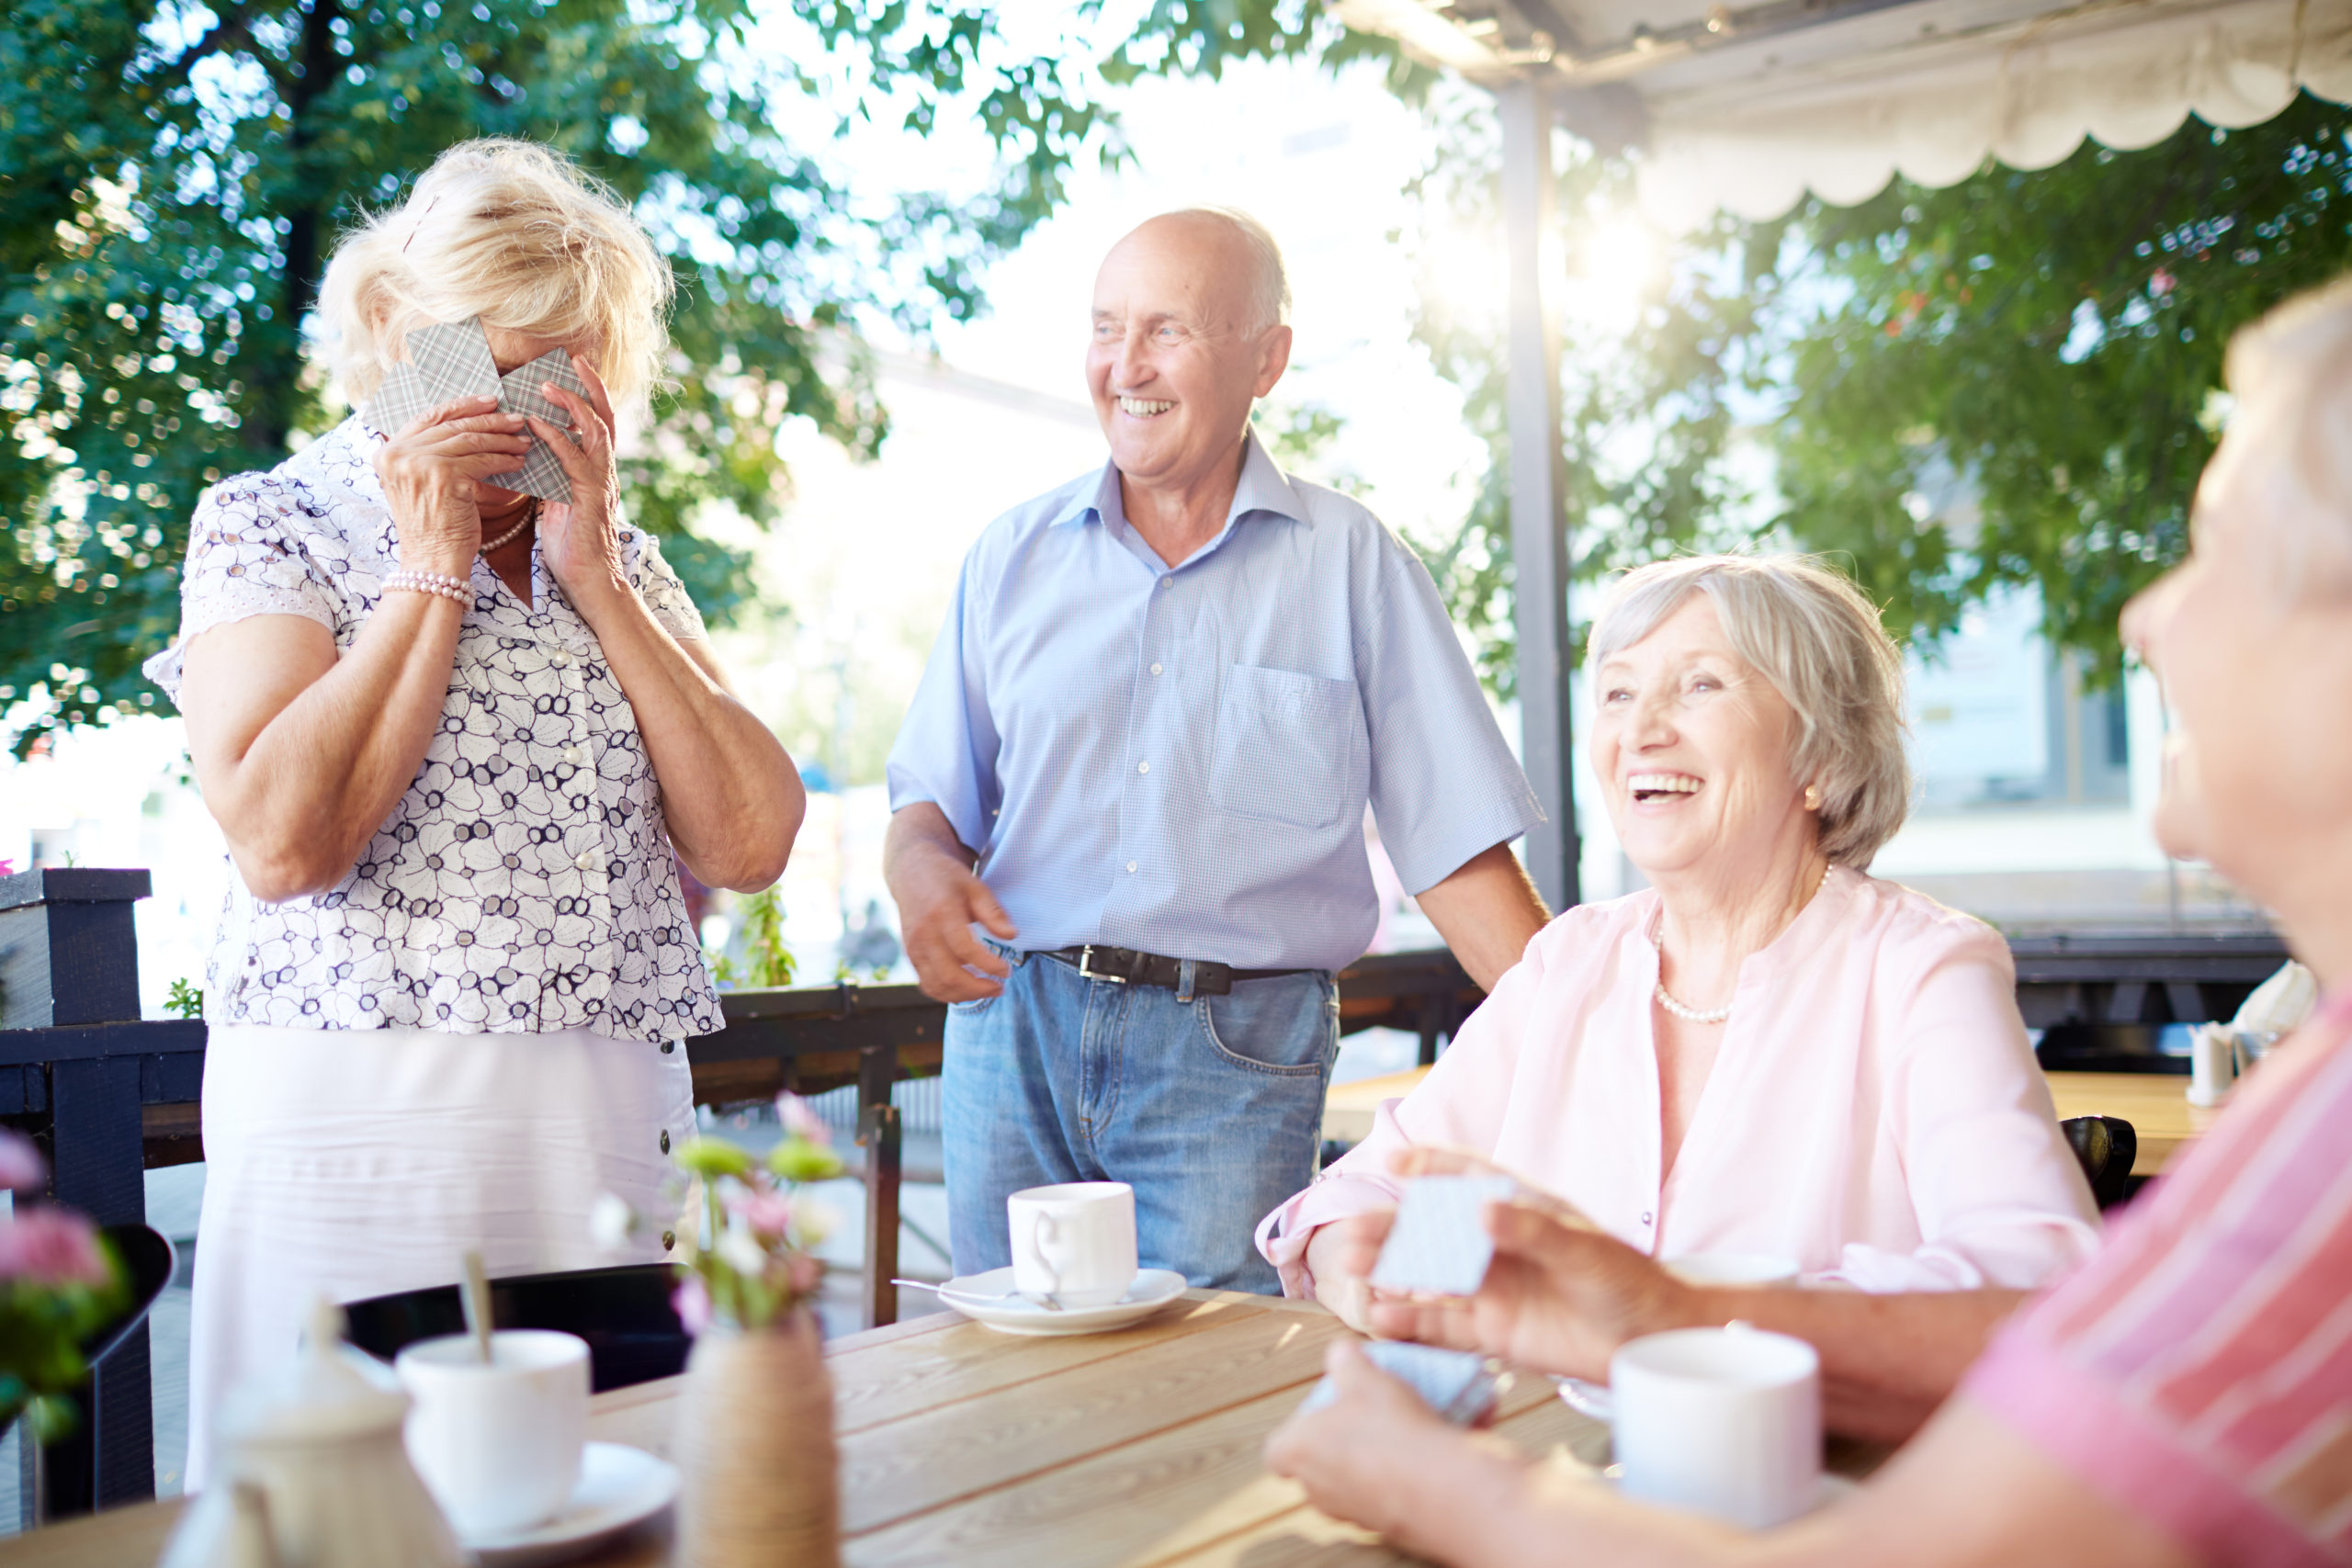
[(2297, 360), (1269, 283), (1813, 635)]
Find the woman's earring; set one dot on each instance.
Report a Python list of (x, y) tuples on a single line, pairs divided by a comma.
[(1813, 797)]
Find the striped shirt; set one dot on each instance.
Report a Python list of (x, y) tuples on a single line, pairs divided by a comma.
[(2198, 1372)]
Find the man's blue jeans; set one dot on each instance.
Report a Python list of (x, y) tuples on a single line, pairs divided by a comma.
[(1211, 1108)]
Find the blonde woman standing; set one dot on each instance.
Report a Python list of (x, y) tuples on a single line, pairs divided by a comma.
[(452, 737)]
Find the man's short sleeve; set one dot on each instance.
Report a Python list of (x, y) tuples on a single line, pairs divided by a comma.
[(246, 557), (2198, 1370), (1445, 784), (946, 749)]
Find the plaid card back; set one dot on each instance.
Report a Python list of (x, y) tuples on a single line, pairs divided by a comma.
[(445, 361), (524, 390)]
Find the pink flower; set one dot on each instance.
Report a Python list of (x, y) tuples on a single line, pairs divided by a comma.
[(692, 1303), (768, 1212), (802, 1121), (21, 1167), (7, 868), (53, 1247)]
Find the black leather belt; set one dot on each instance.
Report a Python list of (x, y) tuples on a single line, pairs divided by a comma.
[(1125, 966)]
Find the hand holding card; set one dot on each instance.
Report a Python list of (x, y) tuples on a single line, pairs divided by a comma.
[(450, 360), (1438, 1243), (1459, 1385)]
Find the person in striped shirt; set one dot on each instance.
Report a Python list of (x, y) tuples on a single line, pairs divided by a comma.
[(2186, 1398)]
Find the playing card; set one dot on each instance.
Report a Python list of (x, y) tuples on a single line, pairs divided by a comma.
[(1457, 1384), (445, 361), (398, 401), (1437, 1246), (524, 390)]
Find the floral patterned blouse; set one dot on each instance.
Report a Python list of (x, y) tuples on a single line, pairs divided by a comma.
[(526, 881)]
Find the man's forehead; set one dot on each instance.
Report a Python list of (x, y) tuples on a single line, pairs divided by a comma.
[(1162, 269)]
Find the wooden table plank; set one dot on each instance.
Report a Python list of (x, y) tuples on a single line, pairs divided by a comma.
[(1304, 1537), (906, 1467), (2156, 1104), (957, 1359), (1143, 1503)]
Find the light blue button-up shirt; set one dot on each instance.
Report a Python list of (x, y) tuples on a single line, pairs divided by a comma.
[(1178, 761)]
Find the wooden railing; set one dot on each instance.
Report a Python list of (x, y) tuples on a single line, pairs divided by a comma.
[(110, 1095)]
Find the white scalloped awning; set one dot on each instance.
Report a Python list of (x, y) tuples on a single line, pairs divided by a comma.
[(1746, 105), (2125, 76)]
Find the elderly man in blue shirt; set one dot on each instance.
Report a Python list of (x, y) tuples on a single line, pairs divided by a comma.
[(1138, 763)]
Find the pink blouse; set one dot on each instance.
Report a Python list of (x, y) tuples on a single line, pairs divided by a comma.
[(1875, 1112)]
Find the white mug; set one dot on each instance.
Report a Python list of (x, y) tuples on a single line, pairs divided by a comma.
[(1720, 1421), (499, 1445), (1074, 1244), (1732, 1269)]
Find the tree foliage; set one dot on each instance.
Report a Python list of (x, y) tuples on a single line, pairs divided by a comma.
[(173, 175), (2012, 381)]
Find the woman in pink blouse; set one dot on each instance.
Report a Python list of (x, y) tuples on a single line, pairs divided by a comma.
[(1767, 1051), (2184, 1398)]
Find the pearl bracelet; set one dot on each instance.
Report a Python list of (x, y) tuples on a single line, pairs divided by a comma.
[(447, 587)]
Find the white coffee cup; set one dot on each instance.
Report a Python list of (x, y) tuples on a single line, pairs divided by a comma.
[(1720, 1421), (1075, 1243), (498, 1445), (1732, 1269)]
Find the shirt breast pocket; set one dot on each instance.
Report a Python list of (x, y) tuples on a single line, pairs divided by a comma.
[(1284, 746)]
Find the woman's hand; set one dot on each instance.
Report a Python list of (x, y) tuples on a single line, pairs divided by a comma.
[(1340, 1255), (1368, 1456), (433, 473), (581, 543)]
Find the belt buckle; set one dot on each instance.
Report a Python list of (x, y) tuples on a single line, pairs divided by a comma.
[(1086, 970)]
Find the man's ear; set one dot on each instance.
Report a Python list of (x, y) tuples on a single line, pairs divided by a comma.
[(1273, 358)]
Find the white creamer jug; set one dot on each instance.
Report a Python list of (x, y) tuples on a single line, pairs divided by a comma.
[(314, 1475)]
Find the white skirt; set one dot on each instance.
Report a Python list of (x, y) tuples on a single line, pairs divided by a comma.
[(354, 1162)]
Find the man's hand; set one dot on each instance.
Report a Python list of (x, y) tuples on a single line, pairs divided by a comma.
[(1559, 1296), (929, 873)]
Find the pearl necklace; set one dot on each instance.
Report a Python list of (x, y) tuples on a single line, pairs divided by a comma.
[(1712, 1015), (514, 532)]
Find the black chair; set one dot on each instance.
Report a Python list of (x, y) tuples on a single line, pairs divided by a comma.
[(2107, 1148), (633, 1332)]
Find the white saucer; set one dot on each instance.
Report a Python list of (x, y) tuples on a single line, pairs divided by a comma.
[(619, 1486), (968, 1294)]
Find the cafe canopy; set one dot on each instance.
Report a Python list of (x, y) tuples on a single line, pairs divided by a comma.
[(1746, 109)]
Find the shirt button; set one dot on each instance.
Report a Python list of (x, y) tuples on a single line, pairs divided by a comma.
[(666, 1140), (1646, 1218), (1143, 767), (571, 755), (1155, 669), (1131, 866), (585, 859), (1167, 582), (560, 658), (668, 1046), (668, 1240)]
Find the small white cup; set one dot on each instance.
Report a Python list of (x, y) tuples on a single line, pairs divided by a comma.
[(1732, 1269), (1720, 1421), (1074, 1243), (498, 1446)]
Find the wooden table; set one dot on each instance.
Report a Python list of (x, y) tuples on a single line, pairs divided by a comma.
[(961, 1446), (2156, 1104)]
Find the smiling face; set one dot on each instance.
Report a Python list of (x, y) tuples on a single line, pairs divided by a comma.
[(1175, 360), (1691, 745), (2253, 650)]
